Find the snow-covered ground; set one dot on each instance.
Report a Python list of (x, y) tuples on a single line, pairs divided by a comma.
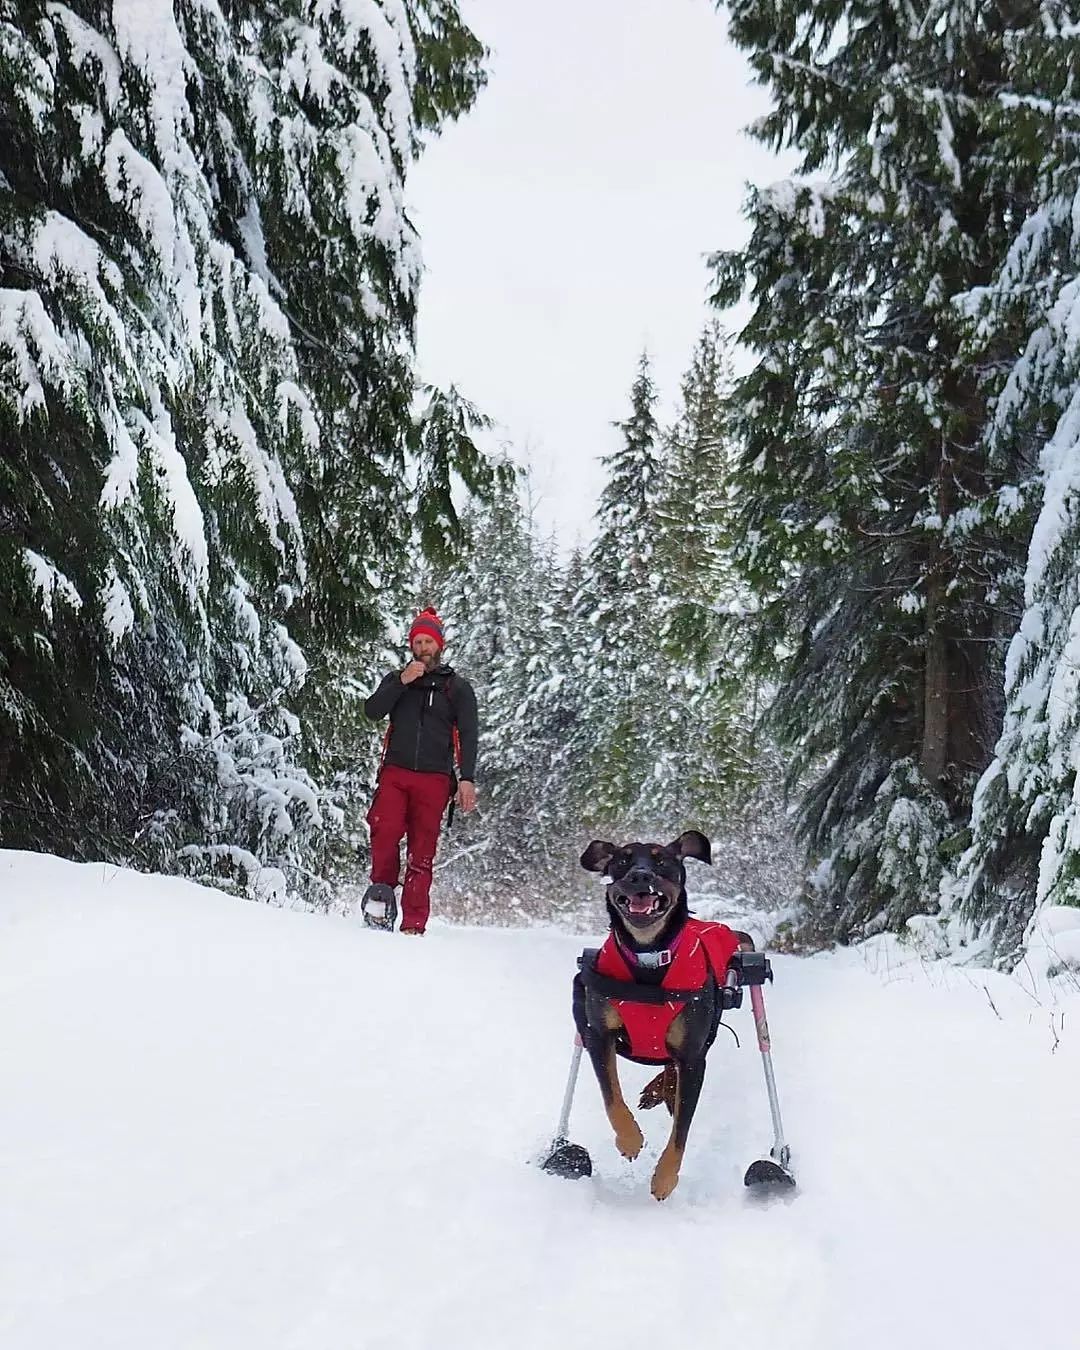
[(225, 1125)]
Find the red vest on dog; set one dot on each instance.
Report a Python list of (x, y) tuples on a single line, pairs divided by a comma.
[(701, 949)]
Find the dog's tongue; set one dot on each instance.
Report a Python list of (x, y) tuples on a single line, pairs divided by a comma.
[(640, 904)]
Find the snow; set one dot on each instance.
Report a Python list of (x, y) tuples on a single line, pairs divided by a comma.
[(293, 661), (191, 550), (49, 583), (1053, 947), (945, 137), (87, 45), (788, 196), (264, 883), (118, 611), (231, 1125), (1060, 467), (250, 223), (37, 350), (274, 499), (386, 27), (36, 88), (147, 36), (136, 186), (122, 473), (290, 396)]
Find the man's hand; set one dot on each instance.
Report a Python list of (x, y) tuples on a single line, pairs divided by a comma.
[(413, 671), (466, 795)]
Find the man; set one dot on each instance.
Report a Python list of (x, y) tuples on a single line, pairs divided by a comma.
[(432, 712)]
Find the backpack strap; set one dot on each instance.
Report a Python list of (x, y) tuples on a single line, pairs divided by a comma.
[(455, 735), (455, 748)]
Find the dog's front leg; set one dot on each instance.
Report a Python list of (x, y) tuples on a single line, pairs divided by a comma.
[(628, 1137), (689, 1076), (601, 1047)]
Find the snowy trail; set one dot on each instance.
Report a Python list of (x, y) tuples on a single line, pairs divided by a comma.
[(230, 1126)]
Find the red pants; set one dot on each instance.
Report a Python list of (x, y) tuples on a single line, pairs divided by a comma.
[(412, 804)]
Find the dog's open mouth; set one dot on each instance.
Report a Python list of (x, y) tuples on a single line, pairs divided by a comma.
[(644, 905)]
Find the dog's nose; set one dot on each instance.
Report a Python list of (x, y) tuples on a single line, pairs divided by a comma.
[(639, 874)]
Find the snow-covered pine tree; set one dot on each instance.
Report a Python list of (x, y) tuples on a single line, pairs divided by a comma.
[(877, 530), (694, 510), (1025, 848), (706, 728), (568, 697), (207, 288), (619, 616)]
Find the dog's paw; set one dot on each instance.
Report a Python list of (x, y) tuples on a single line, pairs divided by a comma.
[(666, 1176), (629, 1140), (660, 1089)]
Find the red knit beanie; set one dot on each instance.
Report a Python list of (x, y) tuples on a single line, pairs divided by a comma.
[(428, 624)]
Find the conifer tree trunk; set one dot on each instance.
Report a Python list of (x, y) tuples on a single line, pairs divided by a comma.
[(935, 728)]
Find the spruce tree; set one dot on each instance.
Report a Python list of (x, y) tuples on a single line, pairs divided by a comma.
[(876, 530), (694, 512), (621, 663), (572, 694), (706, 733), (1025, 847), (207, 407)]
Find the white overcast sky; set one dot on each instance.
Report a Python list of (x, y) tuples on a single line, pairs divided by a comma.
[(565, 221)]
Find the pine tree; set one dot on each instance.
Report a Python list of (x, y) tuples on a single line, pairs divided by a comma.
[(1024, 848), (706, 734), (878, 532), (570, 697), (622, 665), (694, 513), (207, 291)]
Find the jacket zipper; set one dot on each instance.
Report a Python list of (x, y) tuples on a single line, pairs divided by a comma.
[(420, 727)]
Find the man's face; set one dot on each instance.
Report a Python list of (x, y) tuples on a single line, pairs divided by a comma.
[(426, 649)]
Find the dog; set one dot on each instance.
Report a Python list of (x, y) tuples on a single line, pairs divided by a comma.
[(655, 991)]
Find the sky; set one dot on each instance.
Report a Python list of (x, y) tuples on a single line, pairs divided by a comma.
[(565, 222)]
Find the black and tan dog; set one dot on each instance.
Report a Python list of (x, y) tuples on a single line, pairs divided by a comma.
[(655, 991)]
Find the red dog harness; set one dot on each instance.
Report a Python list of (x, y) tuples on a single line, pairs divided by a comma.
[(702, 950)]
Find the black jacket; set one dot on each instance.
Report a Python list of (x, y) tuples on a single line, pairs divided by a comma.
[(422, 715)]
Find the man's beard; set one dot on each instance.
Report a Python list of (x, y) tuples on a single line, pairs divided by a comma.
[(430, 661)]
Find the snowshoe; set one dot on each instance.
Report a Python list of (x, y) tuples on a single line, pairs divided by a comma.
[(379, 907)]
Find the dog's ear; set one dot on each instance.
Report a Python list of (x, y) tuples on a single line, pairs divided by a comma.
[(597, 856), (691, 844)]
